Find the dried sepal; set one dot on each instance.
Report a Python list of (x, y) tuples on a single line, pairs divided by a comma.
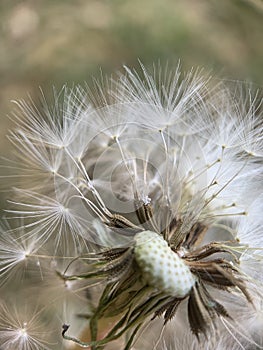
[(110, 265), (169, 309), (208, 250), (195, 235), (145, 215), (202, 310)]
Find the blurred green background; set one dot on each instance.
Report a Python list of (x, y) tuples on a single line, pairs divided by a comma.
[(50, 42)]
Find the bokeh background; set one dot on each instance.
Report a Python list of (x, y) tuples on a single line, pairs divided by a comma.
[(46, 43), (51, 42)]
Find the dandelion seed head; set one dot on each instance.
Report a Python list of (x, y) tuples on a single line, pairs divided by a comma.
[(151, 186)]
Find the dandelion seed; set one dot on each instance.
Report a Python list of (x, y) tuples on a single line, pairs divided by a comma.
[(16, 254), (46, 218), (21, 330)]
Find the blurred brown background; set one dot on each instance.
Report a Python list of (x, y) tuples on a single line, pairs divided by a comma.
[(50, 42)]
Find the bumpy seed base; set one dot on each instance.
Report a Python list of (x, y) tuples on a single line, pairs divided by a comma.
[(161, 267)]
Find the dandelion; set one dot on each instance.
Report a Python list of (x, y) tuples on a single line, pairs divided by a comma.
[(151, 189)]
